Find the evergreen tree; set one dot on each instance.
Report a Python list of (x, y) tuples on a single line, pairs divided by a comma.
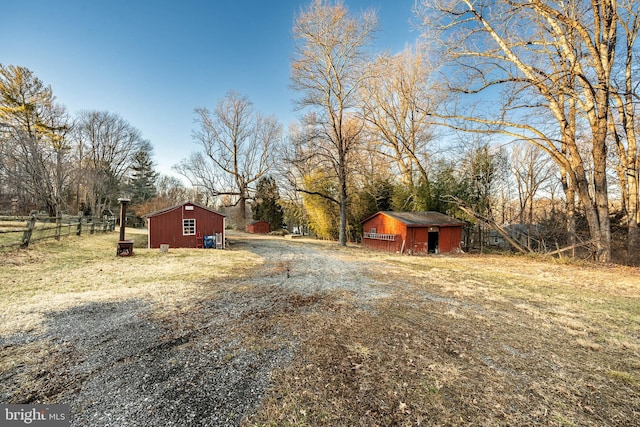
[(142, 185), (267, 207), (448, 181), (375, 196)]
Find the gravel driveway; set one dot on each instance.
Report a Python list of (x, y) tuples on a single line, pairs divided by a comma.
[(120, 364)]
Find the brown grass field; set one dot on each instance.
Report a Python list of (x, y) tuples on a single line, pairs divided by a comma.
[(438, 340)]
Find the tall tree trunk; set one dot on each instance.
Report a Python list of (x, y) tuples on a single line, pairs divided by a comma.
[(633, 232), (342, 233), (633, 208), (242, 206), (633, 241), (570, 208), (242, 213), (601, 196), (624, 105), (578, 175), (628, 180)]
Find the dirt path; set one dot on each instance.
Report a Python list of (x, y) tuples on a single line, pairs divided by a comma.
[(124, 364), (312, 267)]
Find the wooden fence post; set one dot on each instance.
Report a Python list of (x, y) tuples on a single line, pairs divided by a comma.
[(79, 228), (58, 225), (26, 236)]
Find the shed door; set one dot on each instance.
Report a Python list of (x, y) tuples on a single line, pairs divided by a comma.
[(421, 236), (434, 242)]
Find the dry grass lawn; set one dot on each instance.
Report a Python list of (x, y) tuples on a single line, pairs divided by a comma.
[(471, 340), (56, 275), (455, 340)]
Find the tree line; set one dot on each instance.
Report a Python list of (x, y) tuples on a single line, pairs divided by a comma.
[(501, 112), (53, 162), (559, 78)]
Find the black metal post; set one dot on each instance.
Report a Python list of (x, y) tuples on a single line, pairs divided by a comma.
[(123, 215), (125, 247)]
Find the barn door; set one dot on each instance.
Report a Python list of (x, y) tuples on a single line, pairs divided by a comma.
[(434, 242), (421, 239)]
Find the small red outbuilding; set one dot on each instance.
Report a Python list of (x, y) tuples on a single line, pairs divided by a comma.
[(258, 227), (412, 232), (185, 226)]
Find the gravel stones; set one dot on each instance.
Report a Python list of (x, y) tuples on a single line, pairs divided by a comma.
[(126, 363)]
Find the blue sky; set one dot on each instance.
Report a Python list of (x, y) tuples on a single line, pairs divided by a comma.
[(153, 62)]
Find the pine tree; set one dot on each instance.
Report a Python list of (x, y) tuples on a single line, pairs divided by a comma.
[(266, 207), (143, 178)]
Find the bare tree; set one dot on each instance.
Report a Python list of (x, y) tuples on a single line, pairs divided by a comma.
[(106, 144), (397, 102), (624, 125), (328, 69), (238, 149), (531, 168), (553, 63), (314, 171), (171, 189)]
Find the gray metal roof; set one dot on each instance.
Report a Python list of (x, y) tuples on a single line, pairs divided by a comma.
[(423, 218)]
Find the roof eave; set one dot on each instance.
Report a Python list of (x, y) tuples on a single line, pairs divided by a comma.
[(179, 205)]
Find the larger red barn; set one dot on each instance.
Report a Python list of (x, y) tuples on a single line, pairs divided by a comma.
[(412, 232), (185, 226)]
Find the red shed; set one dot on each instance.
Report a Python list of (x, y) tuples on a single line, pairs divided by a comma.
[(184, 226), (412, 232), (258, 227)]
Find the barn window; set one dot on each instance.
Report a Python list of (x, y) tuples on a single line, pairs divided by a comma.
[(188, 227)]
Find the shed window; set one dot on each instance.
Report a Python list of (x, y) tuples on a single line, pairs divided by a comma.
[(188, 227)]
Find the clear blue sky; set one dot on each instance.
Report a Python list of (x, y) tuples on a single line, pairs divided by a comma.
[(153, 62)]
